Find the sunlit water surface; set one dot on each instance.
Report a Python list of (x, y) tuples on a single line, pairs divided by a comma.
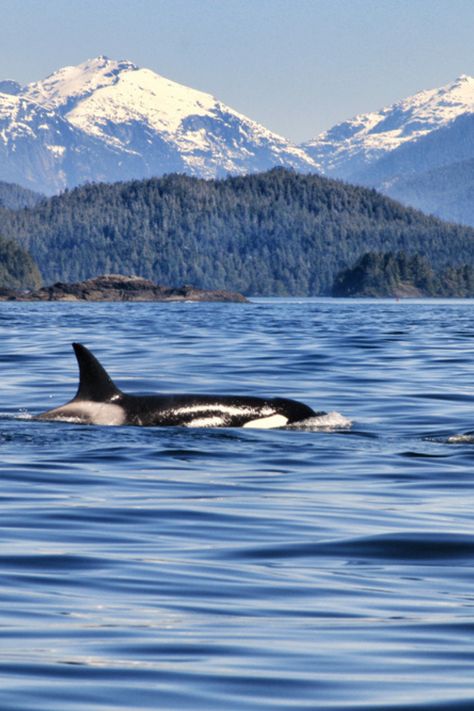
[(238, 569)]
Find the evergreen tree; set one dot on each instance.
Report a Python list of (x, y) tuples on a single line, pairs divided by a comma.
[(277, 233), (17, 269), (389, 274)]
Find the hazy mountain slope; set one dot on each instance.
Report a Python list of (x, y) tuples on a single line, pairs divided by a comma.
[(352, 147), (273, 233), (14, 196), (447, 191), (450, 144)]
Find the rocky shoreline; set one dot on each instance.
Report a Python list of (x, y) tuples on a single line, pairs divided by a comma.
[(116, 287)]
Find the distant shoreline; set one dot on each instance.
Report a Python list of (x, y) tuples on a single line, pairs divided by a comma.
[(116, 288)]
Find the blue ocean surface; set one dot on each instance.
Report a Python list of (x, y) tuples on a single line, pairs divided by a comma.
[(240, 569)]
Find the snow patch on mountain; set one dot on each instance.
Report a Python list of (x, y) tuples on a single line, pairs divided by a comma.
[(20, 118), (157, 125)]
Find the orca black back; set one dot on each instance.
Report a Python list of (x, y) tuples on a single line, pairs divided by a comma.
[(99, 401)]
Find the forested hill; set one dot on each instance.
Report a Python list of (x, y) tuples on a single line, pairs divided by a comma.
[(273, 233)]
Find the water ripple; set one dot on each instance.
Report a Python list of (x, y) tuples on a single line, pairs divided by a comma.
[(321, 567)]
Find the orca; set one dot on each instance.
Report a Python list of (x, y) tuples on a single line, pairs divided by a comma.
[(99, 401)]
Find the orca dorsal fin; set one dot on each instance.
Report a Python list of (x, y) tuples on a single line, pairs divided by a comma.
[(94, 381)]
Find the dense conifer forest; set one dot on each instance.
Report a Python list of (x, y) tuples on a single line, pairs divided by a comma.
[(273, 233), (17, 269), (376, 274)]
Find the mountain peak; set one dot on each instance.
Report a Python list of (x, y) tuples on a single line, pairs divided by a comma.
[(102, 62), (464, 78), (70, 84), (118, 121)]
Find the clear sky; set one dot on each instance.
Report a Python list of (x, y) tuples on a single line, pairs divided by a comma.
[(297, 66)]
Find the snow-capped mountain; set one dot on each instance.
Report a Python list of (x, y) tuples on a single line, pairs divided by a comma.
[(108, 120), (350, 149), (115, 121), (419, 151)]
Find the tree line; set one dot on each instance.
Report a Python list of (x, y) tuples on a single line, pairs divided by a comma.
[(273, 233)]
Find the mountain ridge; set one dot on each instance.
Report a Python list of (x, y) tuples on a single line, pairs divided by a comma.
[(352, 145), (111, 120), (108, 120)]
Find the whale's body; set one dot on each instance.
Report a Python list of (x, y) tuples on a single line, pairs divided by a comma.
[(99, 401)]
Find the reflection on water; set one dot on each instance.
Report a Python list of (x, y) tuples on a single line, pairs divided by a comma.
[(175, 568)]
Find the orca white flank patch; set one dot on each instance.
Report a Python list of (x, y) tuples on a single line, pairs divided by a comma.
[(212, 421), (267, 423), (93, 413), (231, 410)]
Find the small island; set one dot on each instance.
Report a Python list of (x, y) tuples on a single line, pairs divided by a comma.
[(117, 287), (401, 275)]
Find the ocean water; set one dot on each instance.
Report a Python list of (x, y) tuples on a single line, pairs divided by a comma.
[(239, 569)]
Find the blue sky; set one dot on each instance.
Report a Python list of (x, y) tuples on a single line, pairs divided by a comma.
[(297, 66)]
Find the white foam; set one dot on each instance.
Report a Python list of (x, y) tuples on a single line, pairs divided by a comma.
[(23, 415), (327, 421), (461, 438)]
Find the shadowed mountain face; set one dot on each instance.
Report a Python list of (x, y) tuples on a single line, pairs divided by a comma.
[(107, 120)]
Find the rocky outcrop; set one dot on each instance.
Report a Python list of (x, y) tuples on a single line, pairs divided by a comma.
[(116, 287)]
